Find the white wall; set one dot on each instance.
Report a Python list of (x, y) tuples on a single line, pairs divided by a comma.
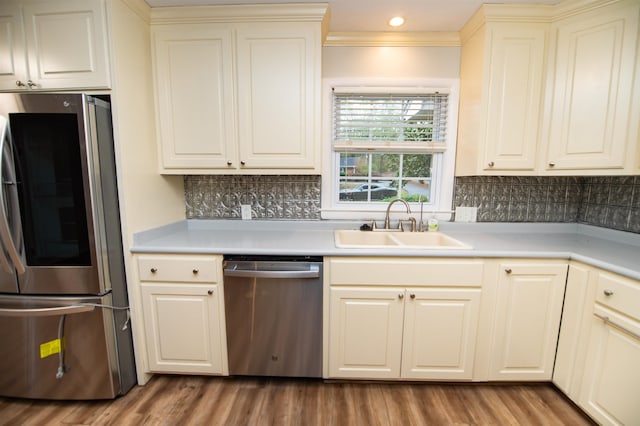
[(390, 62)]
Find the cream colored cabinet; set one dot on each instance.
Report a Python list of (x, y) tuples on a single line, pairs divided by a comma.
[(550, 90), (193, 65), (366, 332), (237, 89), (501, 94), (611, 382), (402, 318), (183, 308), (527, 320), (574, 330), (591, 121), (53, 45)]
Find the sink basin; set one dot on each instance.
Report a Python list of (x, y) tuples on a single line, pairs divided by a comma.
[(384, 239)]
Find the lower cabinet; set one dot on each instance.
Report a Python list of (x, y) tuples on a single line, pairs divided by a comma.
[(527, 319), (611, 382), (183, 308), (402, 318)]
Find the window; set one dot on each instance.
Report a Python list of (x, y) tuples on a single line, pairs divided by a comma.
[(389, 143)]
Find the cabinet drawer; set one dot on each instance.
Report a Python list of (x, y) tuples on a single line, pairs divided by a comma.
[(619, 293), (172, 268), (405, 271)]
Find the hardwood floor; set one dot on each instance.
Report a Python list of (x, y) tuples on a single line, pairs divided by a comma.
[(200, 400)]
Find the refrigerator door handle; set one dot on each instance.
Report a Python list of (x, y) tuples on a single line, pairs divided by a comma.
[(5, 232), (45, 312)]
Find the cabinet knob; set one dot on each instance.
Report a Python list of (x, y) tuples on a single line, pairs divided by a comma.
[(412, 296), (210, 292), (508, 270), (195, 271), (552, 164), (229, 163), (31, 84), (608, 292), (242, 163), (400, 296), (20, 84), (491, 164), (153, 270)]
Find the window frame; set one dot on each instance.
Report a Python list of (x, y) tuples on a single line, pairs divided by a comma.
[(441, 206)]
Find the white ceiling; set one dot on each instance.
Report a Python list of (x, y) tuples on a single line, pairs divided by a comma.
[(372, 15)]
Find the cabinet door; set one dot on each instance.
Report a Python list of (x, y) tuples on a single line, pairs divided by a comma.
[(440, 328), (514, 95), (529, 307), (13, 59), (194, 96), (365, 329), (67, 43), (591, 95), (278, 92), (612, 372), (574, 330), (183, 327)]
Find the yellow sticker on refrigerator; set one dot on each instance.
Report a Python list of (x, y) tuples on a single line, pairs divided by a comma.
[(50, 348)]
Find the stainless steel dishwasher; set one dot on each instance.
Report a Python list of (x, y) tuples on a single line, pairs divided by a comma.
[(273, 309)]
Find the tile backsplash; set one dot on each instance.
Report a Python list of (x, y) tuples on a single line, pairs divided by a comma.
[(608, 201), (270, 197)]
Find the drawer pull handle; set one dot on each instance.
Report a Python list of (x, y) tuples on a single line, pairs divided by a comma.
[(608, 292), (210, 292), (412, 296), (195, 271), (400, 296), (508, 270), (154, 270), (607, 321), (491, 164)]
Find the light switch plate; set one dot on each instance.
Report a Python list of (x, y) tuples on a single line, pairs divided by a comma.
[(245, 211), (466, 214)]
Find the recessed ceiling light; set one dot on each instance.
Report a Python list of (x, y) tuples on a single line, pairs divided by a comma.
[(396, 21)]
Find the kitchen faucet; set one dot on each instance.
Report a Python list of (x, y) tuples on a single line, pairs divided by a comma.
[(387, 224)]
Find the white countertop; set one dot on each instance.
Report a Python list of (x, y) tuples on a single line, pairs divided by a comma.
[(616, 251)]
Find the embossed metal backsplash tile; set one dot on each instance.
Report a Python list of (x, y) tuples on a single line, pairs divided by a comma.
[(270, 197), (609, 201)]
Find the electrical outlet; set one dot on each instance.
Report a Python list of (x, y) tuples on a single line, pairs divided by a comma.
[(466, 214), (245, 211)]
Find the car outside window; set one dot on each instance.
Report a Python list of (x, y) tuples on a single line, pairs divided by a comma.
[(388, 144)]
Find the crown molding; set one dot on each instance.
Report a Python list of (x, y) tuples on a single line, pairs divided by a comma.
[(307, 12), (396, 39), (140, 8)]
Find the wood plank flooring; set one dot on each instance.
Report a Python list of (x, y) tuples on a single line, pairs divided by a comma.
[(201, 400)]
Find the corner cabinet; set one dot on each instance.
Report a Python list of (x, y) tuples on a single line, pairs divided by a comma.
[(238, 89), (53, 45), (550, 90), (591, 120), (183, 310), (402, 318)]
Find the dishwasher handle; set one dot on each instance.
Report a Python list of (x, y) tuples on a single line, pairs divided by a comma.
[(232, 271)]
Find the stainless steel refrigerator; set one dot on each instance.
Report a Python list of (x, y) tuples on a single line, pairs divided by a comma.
[(64, 318)]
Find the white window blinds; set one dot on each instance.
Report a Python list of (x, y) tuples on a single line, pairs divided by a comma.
[(390, 122)]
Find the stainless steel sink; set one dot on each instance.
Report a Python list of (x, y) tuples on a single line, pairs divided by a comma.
[(385, 239)]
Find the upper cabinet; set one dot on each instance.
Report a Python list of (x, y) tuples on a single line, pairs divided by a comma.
[(592, 87), (502, 75), (238, 89), (53, 45), (550, 90)]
